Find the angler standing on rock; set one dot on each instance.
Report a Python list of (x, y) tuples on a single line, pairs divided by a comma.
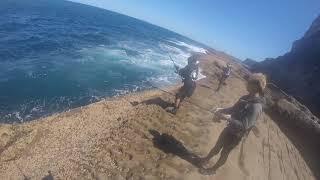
[(244, 115), (189, 75), (225, 74)]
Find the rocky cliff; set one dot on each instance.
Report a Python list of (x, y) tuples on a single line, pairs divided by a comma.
[(297, 72), (249, 62)]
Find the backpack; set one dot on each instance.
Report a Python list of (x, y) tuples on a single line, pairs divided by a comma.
[(188, 73), (227, 71), (237, 125)]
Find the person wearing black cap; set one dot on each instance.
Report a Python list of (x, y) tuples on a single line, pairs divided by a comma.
[(189, 75)]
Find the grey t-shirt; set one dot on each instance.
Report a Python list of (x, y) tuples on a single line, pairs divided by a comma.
[(246, 111)]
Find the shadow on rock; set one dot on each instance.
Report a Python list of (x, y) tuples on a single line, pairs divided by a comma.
[(48, 177), (169, 144), (156, 101)]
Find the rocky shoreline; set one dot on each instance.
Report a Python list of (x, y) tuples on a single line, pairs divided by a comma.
[(133, 137)]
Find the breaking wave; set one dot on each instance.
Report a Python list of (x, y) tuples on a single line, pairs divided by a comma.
[(56, 61)]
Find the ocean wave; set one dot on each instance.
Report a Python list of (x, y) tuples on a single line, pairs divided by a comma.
[(192, 48), (151, 58), (125, 67), (51, 61)]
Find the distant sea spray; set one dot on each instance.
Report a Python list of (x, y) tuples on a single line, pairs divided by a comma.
[(57, 55)]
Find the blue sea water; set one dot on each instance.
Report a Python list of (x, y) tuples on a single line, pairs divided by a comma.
[(57, 55)]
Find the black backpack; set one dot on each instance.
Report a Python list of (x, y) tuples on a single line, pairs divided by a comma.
[(237, 125), (187, 72)]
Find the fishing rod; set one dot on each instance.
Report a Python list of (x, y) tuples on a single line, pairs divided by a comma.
[(174, 64), (171, 59)]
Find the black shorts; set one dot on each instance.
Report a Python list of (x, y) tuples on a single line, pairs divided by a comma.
[(236, 128), (228, 140), (186, 90), (224, 77)]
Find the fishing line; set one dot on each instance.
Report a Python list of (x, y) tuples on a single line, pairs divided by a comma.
[(24, 176), (205, 109)]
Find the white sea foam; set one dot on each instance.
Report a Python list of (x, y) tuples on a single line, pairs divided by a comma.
[(129, 54), (17, 115), (192, 48), (156, 58)]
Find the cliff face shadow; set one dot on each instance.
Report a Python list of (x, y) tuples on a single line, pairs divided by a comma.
[(156, 101), (170, 145)]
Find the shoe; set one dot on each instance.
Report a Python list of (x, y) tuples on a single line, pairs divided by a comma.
[(171, 110), (203, 161), (207, 172), (216, 119)]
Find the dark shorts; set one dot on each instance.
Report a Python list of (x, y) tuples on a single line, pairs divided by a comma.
[(186, 90), (229, 139), (236, 129), (224, 77)]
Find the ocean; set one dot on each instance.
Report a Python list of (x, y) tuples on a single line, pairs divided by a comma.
[(57, 55)]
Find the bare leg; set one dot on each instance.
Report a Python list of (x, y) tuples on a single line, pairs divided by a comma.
[(217, 148), (221, 81), (222, 160), (173, 110), (230, 143), (177, 103)]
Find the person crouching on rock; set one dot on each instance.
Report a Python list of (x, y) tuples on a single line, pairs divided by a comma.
[(244, 115), (189, 75)]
